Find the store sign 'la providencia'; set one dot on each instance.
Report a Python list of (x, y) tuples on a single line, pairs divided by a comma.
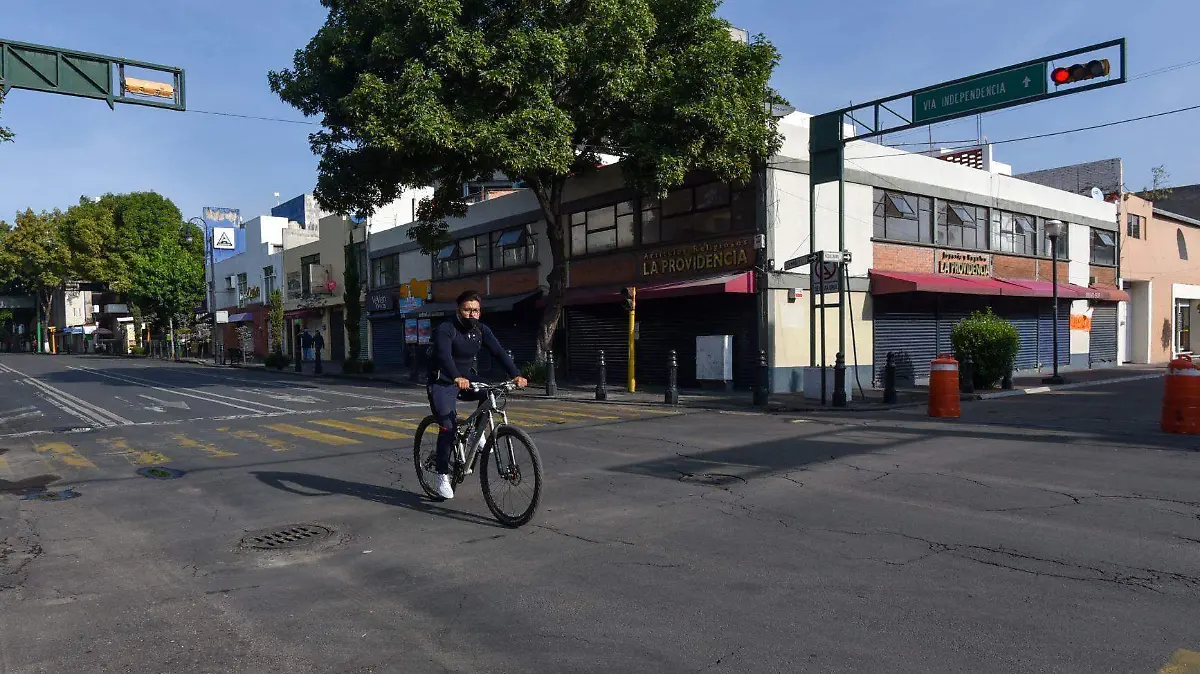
[(699, 258)]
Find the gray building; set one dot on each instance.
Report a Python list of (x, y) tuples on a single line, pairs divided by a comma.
[(303, 209)]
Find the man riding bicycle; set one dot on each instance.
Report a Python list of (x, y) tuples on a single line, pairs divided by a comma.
[(456, 343)]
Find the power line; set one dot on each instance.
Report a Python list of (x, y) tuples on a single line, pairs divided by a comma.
[(252, 116)]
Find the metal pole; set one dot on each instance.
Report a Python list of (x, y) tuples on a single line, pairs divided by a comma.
[(672, 395), (171, 329), (812, 250), (602, 381), (1054, 275), (839, 375), (632, 336), (213, 293)]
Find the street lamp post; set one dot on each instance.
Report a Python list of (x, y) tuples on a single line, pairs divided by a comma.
[(212, 288), (1054, 230)]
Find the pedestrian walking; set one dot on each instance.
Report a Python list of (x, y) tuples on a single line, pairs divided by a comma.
[(306, 343), (318, 342)]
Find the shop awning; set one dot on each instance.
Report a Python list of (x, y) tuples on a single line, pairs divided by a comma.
[(1111, 293), (889, 283), (246, 317), (742, 283)]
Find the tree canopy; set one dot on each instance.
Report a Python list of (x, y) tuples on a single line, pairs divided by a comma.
[(440, 92), (6, 134)]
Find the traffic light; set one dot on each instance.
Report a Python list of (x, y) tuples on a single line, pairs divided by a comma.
[(629, 295), (1080, 72)]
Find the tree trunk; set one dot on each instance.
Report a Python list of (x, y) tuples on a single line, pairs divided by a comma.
[(549, 195)]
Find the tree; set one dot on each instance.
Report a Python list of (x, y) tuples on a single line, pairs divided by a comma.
[(352, 298), (6, 135), (35, 258), (276, 317), (421, 92), (168, 280), (1159, 184)]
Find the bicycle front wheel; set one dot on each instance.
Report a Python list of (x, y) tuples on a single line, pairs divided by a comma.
[(511, 476)]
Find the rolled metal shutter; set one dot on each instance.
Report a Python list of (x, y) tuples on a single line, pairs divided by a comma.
[(594, 328), (517, 334), (911, 336), (1046, 334), (388, 340), (675, 323), (1103, 350), (1027, 327)]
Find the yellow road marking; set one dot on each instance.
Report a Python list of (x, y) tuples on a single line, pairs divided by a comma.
[(65, 453), (543, 416), (211, 450), (275, 444), (395, 423), (362, 430), (518, 419), (310, 434), (137, 457), (564, 413), (5, 471), (1182, 662)]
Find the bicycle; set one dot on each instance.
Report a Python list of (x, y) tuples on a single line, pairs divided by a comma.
[(479, 436)]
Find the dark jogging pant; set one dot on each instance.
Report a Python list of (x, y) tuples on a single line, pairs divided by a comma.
[(443, 400)]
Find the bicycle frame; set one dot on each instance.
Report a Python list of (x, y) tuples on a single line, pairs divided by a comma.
[(485, 413)]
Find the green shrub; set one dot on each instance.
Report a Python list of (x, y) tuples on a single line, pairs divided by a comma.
[(138, 351), (534, 372), (277, 360), (992, 342), (368, 366)]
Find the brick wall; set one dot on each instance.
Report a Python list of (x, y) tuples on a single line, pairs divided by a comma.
[(448, 291), (898, 257), (1005, 266), (620, 268), (1107, 275), (514, 282)]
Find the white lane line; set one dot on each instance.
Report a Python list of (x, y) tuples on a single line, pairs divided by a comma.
[(260, 408), (19, 413), (78, 414), (73, 405), (318, 390)]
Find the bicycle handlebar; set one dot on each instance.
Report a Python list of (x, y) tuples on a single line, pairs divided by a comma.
[(478, 387)]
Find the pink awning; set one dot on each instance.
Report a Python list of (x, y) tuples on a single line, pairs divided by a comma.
[(741, 283), (888, 283)]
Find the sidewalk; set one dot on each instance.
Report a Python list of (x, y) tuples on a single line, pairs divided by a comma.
[(871, 398)]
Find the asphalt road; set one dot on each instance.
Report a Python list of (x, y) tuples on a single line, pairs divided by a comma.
[(1054, 533)]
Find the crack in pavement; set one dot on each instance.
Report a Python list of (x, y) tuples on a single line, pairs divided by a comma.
[(581, 538), (17, 552)]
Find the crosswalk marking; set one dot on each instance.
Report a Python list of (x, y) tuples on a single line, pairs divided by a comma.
[(209, 449), (275, 444), (541, 418), (1182, 662), (362, 430), (65, 453), (558, 411), (396, 423), (310, 434), (5, 472), (137, 457)]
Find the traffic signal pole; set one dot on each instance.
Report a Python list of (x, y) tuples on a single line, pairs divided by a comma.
[(632, 339)]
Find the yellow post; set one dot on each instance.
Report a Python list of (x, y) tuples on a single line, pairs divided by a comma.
[(632, 338)]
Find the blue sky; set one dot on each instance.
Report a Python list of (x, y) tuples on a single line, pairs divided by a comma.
[(68, 147)]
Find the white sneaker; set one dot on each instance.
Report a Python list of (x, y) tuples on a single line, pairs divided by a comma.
[(442, 485)]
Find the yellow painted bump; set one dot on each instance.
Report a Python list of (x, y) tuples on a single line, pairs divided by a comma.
[(310, 434), (66, 454), (137, 457), (1182, 662), (211, 450), (361, 430), (275, 444), (394, 423)]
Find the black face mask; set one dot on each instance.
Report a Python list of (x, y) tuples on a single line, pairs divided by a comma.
[(469, 323)]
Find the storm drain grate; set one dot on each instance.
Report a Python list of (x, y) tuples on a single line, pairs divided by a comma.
[(43, 495), (711, 479), (288, 537), (157, 473)]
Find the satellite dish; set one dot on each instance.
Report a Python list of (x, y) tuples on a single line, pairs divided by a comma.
[(1097, 194)]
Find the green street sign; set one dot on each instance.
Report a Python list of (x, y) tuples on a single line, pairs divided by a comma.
[(989, 91)]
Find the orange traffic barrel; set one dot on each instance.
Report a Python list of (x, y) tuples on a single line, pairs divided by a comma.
[(1181, 398), (943, 388)]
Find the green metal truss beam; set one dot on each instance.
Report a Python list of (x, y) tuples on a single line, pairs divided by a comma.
[(74, 73)]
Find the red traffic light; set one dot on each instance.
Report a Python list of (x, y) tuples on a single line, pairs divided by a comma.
[(1080, 72)]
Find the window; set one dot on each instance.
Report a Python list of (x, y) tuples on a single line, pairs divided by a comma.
[(1183, 326), (902, 217), (962, 225), (485, 252), (268, 283), (1133, 226), (602, 229), (1104, 247), (1064, 241), (712, 209), (242, 284), (1014, 233), (306, 264), (384, 270)]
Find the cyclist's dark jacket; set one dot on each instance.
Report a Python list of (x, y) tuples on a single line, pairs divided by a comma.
[(455, 347)]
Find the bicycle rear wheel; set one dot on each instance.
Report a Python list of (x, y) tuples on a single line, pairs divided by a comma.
[(425, 458), (511, 463)]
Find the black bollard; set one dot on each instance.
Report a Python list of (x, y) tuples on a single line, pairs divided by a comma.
[(966, 373), (672, 397), (551, 383), (602, 382), (317, 366), (762, 387), (298, 352), (1007, 382), (889, 380), (840, 395)]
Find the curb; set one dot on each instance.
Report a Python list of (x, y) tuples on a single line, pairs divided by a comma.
[(1037, 390)]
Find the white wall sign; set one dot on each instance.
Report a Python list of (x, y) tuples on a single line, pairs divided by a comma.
[(222, 317), (223, 238)]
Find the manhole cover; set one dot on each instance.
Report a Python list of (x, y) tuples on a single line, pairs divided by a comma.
[(42, 495), (711, 479), (157, 473), (287, 537)]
